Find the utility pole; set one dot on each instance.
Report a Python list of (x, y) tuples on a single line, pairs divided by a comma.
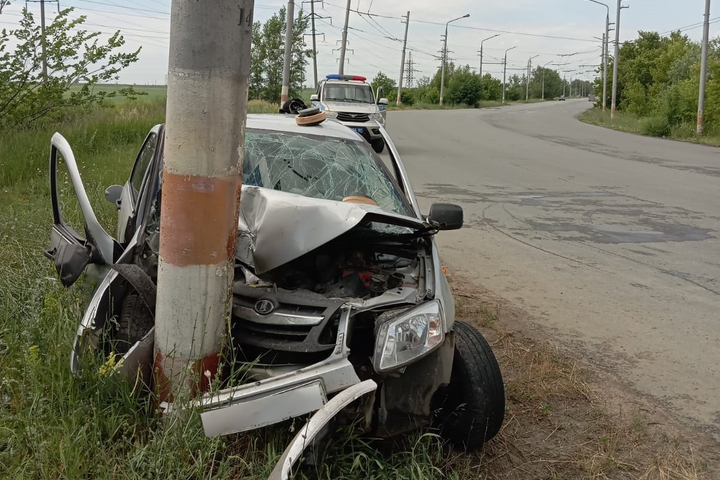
[(703, 69), (527, 79), (42, 41), (505, 71), (543, 78), (341, 70), (410, 71), (481, 59), (208, 73), (402, 62), (616, 60), (444, 55), (312, 21), (288, 51)]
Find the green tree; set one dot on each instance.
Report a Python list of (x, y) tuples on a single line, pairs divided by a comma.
[(257, 78), (553, 83), (388, 84), (463, 87), (73, 56), (270, 46), (491, 88)]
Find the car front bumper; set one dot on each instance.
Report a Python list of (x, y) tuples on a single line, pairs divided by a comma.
[(368, 130)]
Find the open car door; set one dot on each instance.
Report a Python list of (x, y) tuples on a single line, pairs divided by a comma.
[(72, 251)]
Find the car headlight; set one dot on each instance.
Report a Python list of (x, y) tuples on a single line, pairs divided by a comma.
[(409, 336), (377, 117), (330, 114)]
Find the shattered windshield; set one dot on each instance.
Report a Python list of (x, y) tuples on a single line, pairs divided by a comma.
[(335, 92), (320, 167)]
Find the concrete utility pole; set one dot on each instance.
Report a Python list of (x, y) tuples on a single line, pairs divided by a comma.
[(444, 59), (312, 21), (42, 41), (527, 79), (208, 72), (703, 70), (288, 51), (402, 62), (616, 60), (481, 60), (341, 69), (505, 71)]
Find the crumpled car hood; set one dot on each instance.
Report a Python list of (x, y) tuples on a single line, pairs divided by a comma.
[(277, 227)]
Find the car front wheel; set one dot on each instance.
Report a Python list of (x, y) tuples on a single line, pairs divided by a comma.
[(474, 408)]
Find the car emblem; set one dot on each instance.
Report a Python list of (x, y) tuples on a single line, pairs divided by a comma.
[(264, 307)]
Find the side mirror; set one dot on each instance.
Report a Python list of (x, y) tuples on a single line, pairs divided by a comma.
[(446, 215), (70, 262), (383, 101), (314, 97), (113, 194), (380, 93)]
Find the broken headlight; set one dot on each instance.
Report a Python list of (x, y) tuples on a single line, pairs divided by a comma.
[(409, 336), (377, 117)]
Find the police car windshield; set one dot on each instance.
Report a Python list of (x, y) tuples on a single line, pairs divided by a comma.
[(340, 92)]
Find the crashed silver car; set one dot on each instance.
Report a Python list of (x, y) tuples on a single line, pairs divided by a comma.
[(340, 302)]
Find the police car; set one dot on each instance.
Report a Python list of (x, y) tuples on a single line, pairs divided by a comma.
[(350, 100)]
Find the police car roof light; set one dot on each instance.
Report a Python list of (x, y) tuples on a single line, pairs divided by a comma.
[(337, 76)]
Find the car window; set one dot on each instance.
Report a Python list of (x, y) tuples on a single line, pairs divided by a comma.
[(143, 161), (320, 167), (338, 92)]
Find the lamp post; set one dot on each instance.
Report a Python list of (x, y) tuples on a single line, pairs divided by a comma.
[(505, 71), (616, 60), (444, 60), (527, 79), (543, 78), (481, 58), (605, 52)]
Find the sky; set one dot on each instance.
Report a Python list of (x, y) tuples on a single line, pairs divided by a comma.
[(548, 29)]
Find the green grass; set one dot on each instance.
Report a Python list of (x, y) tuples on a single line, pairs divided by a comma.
[(649, 126), (54, 425)]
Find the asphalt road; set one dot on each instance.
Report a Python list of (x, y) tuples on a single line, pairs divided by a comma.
[(610, 241)]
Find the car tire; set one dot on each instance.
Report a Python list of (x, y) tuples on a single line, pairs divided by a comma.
[(474, 408), (378, 145), (134, 323)]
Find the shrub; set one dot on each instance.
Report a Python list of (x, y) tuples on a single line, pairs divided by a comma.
[(655, 127)]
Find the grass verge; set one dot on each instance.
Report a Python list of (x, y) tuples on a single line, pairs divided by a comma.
[(649, 126)]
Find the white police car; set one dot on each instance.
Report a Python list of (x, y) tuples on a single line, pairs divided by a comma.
[(350, 100)]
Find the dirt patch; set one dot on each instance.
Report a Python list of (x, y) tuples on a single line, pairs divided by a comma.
[(567, 419)]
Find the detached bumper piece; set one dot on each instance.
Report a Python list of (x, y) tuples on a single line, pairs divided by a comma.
[(315, 425)]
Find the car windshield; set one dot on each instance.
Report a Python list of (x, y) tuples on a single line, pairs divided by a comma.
[(338, 92), (320, 167)]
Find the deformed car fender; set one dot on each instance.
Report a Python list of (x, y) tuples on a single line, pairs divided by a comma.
[(315, 425)]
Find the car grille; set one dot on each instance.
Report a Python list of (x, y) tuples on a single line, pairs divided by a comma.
[(353, 117), (301, 328)]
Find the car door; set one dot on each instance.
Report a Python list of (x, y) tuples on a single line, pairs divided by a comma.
[(129, 202), (72, 250)]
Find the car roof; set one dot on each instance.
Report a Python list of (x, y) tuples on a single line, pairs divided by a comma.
[(344, 82), (286, 123)]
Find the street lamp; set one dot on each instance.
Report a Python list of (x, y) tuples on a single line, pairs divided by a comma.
[(481, 58), (442, 76), (543, 78), (527, 79), (505, 70), (605, 51)]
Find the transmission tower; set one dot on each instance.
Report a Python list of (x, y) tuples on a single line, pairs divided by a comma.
[(410, 71)]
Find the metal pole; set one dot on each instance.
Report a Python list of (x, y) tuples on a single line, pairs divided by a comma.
[(208, 73), (341, 70), (312, 20), (527, 83), (481, 59), (616, 61), (402, 61), (505, 71), (444, 61), (703, 70), (543, 83), (42, 37), (288, 51)]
